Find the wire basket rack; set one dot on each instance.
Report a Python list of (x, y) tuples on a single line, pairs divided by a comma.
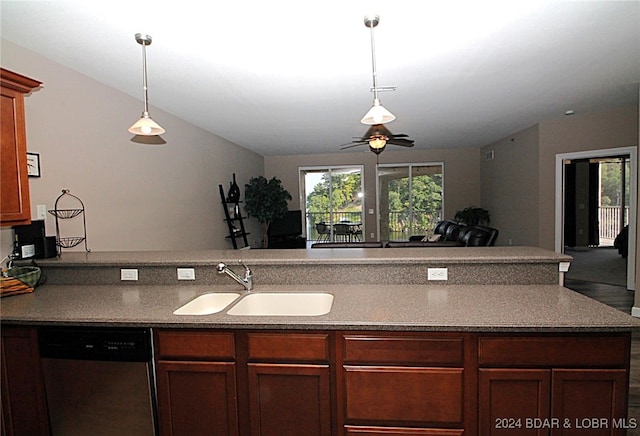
[(67, 213)]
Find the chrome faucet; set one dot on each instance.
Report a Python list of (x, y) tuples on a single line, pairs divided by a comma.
[(246, 281)]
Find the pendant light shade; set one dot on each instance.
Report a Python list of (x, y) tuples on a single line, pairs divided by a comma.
[(377, 114), (145, 126)]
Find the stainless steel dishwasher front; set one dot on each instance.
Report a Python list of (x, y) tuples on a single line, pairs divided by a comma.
[(98, 381)]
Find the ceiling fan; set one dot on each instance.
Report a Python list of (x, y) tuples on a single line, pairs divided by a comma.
[(378, 136)]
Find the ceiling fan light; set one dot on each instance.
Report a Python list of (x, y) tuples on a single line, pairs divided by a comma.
[(145, 126), (378, 150), (377, 143), (377, 115)]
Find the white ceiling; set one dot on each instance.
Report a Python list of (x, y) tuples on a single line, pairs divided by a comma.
[(288, 77)]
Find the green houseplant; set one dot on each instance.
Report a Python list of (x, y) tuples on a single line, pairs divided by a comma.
[(266, 201), (473, 216)]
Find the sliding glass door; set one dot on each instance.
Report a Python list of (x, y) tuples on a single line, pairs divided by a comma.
[(333, 195), (409, 200)]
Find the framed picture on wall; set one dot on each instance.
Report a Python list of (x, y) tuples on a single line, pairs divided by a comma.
[(33, 164)]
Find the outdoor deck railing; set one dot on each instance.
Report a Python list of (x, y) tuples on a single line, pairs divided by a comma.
[(609, 221), (399, 223)]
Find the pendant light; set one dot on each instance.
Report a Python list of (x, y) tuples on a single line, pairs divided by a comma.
[(377, 114), (145, 126)]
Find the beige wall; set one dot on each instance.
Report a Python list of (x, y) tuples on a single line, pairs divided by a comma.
[(593, 131), (518, 186), (461, 175), (510, 187), (137, 197)]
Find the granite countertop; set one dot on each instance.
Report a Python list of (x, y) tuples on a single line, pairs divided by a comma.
[(509, 254), (471, 308)]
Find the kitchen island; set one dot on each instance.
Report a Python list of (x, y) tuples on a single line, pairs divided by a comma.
[(396, 355)]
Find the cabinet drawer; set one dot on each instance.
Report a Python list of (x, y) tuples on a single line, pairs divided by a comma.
[(568, 351), (352, 430), (302, 347), (195, 345), (403, 349), (403, 395)]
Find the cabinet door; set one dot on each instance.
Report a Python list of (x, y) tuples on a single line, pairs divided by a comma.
[(593, 400), (15, 207), (197, 398), (23, 399), (289, 399), (508, 397)]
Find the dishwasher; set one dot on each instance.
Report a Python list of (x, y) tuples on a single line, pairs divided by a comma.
[(98, 381)]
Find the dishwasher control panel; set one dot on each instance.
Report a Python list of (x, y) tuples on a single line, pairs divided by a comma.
[(95, 343)]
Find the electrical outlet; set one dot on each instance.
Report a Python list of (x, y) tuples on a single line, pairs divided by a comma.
[(186, 274), (129, 274), (437, 274), (41, 211)]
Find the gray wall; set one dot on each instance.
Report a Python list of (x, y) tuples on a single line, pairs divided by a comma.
[(137, 197)]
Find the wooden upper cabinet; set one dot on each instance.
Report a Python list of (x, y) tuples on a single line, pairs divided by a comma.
[(15, 206)]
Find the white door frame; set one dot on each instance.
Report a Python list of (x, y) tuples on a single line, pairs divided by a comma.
[(633, 209)]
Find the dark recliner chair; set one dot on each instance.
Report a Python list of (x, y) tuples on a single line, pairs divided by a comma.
[(453, 234)]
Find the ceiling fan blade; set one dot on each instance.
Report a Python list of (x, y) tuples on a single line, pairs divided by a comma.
[(401, 142), (345, 146), (399, 135)]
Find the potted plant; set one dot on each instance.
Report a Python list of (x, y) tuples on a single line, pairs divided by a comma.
[(473, 216), (266, 201)]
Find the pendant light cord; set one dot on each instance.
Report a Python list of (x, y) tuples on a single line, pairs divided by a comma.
[(373, 62), (144, 77)]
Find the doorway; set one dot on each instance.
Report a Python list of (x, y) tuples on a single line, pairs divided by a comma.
[(596, 214), (333, 199)]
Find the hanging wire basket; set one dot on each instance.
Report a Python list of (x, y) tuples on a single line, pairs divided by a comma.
[(68, 213)]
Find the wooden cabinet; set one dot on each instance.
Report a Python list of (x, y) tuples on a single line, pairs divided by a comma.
[(257, 383), (289, 384), (15, 206), (562, 385), (196, 382), (240, 382), (24, 410), (403, 384)]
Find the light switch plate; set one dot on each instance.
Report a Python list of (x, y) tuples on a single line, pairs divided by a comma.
[(437, 274)]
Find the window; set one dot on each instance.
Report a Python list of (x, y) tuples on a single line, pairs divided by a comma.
[(409, 199)]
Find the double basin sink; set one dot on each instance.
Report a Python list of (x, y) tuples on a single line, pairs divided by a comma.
[(260, 304)]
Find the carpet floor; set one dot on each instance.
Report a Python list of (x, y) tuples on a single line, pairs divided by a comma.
[(598, 265)]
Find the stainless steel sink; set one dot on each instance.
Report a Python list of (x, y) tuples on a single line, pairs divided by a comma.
[(284, 304), (207, 304)]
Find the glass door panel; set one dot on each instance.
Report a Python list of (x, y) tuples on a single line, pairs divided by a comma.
[(410, 200), (333, 195)]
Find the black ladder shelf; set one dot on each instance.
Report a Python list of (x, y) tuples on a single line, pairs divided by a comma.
[(233, 216)]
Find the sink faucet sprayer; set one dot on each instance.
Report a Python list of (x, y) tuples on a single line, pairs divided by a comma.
[(246, 281)]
